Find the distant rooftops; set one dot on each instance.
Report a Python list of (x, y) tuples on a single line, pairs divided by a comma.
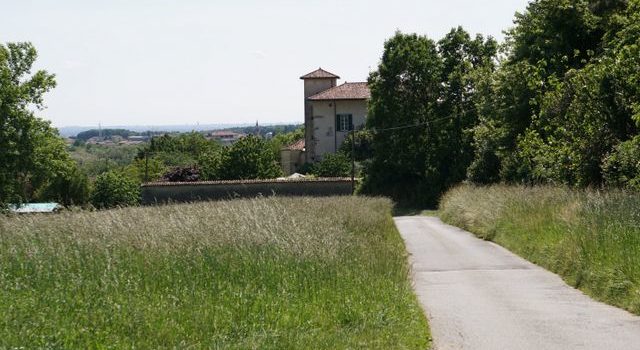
[(320, 74), (346, 91)]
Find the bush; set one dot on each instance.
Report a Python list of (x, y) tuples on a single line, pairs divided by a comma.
[(363, 147), (333, 165), (72, 188), (113, 189), (182, 174), (249, 158), (622, 167)]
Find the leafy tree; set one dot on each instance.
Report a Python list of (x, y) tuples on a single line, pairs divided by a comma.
[(363, 145), (113, 189), (622, 167), (211, 165), (404, 92), (31, 152), (145, 170), (333, 165), (556, 35), (72, 188), (585, 115), (563, 98), (248, 158), (422, 110), (284, 139), (466, 61), (179, 150)]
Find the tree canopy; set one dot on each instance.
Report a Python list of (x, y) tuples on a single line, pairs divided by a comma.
[(35, 163), (559, 104)]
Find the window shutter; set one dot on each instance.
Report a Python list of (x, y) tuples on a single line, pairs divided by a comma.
[(350, 122), (337, 122)]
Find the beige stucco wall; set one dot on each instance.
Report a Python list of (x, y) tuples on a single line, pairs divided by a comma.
[(291, 160), (312, 87), (324, 120)]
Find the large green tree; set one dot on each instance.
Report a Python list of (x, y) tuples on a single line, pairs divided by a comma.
[(32, 155), (404, 92), (563, 97), (421, 112)]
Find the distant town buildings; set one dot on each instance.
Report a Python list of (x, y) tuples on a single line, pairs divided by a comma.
[(226, 138)]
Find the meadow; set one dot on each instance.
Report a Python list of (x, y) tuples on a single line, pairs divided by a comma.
[(590, 238), (268, 273)]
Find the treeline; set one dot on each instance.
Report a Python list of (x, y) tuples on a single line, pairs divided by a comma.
[(557, 102), (263, 130), (107, 133)]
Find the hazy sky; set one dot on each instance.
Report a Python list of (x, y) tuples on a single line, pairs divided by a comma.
[(155, 62)]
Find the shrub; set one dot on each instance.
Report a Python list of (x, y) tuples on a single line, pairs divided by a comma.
[(113, 189), (182, 174), (72, 188), (333, 165), (249, 158), (622, 167)]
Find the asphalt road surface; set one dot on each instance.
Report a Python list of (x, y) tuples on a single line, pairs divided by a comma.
[(478, 295)]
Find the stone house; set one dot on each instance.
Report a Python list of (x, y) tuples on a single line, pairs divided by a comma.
[(331, 111)]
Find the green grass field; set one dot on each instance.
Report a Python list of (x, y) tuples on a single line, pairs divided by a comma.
[(266, 273), (590, 238)]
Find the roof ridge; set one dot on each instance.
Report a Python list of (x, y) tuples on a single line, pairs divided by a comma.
[(320, 74)]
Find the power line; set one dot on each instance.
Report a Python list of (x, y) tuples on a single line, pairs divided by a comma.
[(413, 125)]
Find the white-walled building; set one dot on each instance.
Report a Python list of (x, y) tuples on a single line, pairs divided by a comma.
[(331, 111)]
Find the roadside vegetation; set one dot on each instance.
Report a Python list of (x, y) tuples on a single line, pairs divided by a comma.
[(264, 273), (591, 238)]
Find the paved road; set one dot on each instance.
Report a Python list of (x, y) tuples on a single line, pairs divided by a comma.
[(478, 295)]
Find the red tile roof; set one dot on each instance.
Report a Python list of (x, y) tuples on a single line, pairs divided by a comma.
[(296, 146), (346, 91), (320, 74)]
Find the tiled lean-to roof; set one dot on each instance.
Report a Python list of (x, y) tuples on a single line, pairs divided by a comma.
[(296, 146), (320, 74), (346, 91)]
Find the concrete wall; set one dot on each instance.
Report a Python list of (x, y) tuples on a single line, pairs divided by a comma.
[(328, 140), (291, 160), (153, 193)]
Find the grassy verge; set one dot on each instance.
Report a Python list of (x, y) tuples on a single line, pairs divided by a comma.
[(591, 239), (265, 273)]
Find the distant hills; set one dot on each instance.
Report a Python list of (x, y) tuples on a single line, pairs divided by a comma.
[(72, 131)]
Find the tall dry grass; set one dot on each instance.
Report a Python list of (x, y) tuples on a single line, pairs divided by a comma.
[(263, 273), (591, 238)]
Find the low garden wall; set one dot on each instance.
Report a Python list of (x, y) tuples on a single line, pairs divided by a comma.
[(162, 192)]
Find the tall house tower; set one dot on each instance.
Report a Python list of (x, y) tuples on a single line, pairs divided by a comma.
[(314, 82)]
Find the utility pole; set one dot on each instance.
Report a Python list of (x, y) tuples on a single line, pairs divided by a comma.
[(353, 159), (146, 166)]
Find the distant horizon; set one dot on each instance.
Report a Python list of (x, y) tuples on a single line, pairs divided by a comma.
[(72, 130), (111, 126)]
